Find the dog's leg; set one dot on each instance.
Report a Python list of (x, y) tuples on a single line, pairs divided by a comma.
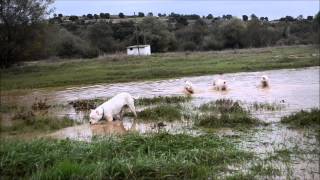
[(121, 113), (109, 118), (132, 108)]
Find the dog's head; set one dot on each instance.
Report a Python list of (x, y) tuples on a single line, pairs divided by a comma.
[(264, 78), (95, 115), (264, 81)]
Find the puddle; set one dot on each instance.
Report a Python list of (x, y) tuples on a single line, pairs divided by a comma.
[(292, 89)]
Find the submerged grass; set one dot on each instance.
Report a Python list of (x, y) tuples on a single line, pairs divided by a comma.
[(34, 118), (158, 66), (32, 123), (224, 113), (303, 118), (159, 156)]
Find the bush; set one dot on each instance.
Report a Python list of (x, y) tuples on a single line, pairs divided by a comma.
[(69, 45), (189, 46)]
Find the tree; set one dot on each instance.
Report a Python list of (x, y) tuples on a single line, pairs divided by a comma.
[(121, 15), (309, 18), (102, 15), (181, 22), (245, 18), (89, 16), (209, 16), (150, 14), (233, 32), (21, 25), (73, 18), (100, 36), (253, 17), (60, 15), (154, 32), (107, 15), (96, 16), (300, 17), (228, 16), (140, 14)]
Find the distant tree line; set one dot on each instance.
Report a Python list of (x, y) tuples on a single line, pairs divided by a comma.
[(29, 36)]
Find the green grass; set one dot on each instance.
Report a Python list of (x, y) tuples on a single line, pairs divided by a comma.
[(86, 104), (303, 118), (157, 66), (162, 99), (266, 106), (224, 113), (159, 156), (5, 108), (167, 112), (31, 123)]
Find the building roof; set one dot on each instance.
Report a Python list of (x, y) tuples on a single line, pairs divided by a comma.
[(138, 46)]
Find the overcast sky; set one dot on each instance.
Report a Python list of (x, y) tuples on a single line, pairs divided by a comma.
[(273, 9)]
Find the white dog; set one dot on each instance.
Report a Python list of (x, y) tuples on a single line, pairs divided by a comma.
[(220, 85), (264, 81), (113, 108), (188, 86)]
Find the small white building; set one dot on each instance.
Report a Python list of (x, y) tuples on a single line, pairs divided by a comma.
[(139, 50)]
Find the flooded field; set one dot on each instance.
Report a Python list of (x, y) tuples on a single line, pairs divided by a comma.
[(291, 90), (294, 89)]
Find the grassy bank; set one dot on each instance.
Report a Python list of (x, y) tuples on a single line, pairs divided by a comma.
[(157, 66), (303, 119), (160, 156)]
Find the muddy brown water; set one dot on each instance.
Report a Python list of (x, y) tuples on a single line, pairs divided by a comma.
[(292, 89)]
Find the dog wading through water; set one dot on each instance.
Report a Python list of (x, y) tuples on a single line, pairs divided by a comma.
[(220, 85), (113, 108), (188, 86), (264, 81)]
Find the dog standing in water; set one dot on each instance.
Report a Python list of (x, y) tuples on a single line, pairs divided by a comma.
[(220, 85), (188, 86), (264, 81), (113, 108)]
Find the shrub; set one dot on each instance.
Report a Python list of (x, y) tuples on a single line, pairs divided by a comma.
[(303, 118)]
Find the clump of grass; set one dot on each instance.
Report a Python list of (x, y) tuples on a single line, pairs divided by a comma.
[(132, 156), (222, 106), (266, 106), (265, 170), (303, 118), (40, 105), (86, 104), (161, 113), (5, 108), (224, 113), (38, 123), (162, 99), (22, 113)]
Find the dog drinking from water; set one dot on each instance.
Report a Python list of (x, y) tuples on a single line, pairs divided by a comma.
[(113, 108)]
